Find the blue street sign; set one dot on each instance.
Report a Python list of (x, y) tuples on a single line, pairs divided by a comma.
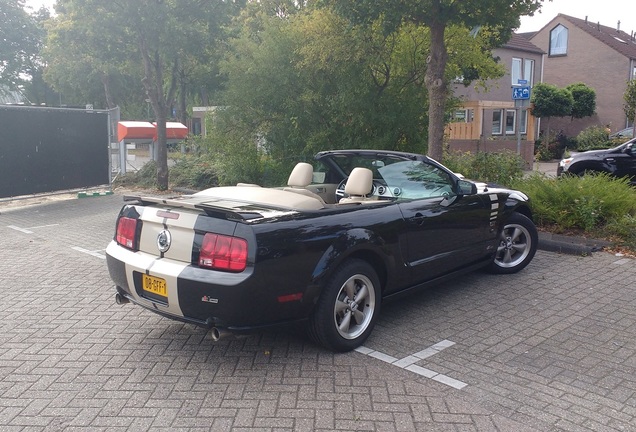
[(520, 93)]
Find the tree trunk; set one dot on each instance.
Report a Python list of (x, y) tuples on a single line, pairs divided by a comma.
[(183, 113), (109, 97), (436, 86), (162, 151), (153, 82)]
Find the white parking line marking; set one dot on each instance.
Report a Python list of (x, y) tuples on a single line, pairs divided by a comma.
[(408, 362), (28, 230), (96, 253)]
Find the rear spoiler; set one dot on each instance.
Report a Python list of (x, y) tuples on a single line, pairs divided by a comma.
[(210, 209)]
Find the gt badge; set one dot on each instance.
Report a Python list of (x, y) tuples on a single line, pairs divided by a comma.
[(164, 239), (209, 299)]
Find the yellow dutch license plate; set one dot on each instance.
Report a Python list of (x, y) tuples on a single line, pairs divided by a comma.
[(154, 285)]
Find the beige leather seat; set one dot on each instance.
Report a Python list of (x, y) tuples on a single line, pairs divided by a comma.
[(301, 177), (359, 184)]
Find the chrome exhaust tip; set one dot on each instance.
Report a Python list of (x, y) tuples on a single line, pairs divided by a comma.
[(120, 299), (216, 334)]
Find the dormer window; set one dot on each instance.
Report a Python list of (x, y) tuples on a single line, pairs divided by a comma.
[(559, 41)]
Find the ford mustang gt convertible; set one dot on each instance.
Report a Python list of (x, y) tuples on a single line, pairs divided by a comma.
[(349, 231)]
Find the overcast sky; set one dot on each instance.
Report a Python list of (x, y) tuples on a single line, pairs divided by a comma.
[(608, 12)]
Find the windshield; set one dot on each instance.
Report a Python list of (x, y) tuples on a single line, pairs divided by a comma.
[(348, 162)]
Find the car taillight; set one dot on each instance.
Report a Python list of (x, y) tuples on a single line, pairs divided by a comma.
[(220, 252), (127, 232)]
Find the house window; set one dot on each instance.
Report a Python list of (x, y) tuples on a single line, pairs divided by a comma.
[(528, 71), (515, 71), (559, 41), (523, 122), (496, 122), (464, 115), (522, 69), (510, 121), (195, 127)]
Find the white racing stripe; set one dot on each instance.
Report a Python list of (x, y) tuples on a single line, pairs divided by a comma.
[(166, 269)]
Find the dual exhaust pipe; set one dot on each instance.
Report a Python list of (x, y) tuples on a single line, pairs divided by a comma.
[(216, 334)]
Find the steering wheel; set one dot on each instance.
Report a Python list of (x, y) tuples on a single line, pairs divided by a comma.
[(340, 190)]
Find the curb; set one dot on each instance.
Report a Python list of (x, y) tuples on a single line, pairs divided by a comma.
[(570, 245), (93, 194)]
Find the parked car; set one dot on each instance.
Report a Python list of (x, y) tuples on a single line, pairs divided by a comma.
[(627, 133), (619, 161), (356, 228)]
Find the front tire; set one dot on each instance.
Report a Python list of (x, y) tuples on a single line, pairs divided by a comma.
[(517, 245), (348, 307)]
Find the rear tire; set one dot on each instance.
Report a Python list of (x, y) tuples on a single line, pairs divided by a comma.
[(517, 245), (347, 308)]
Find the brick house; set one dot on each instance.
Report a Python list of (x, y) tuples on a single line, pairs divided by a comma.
[(488, 120), (604, 58)]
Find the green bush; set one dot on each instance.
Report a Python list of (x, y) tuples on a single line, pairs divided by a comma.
[(191, 171), (594, 137), (146, 177), (545, 150), (502, 168), (570, 202), (554, 147)]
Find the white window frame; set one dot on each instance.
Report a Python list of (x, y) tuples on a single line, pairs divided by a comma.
[(559, 40), (516, 70), (513, 115), (522, 69), (523, 122), (528, 71)]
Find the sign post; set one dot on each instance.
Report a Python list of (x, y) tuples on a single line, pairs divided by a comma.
[(521, 96)]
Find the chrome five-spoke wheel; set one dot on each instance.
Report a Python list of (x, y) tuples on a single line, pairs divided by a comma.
[(517, 244), (355, 305), (347, 308)]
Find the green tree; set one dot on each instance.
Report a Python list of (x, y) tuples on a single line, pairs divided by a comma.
[(438, 15), (630, 103), (583, 100), (550, 101), (85, 63), (156, 38), (311, 82), (20, 40)]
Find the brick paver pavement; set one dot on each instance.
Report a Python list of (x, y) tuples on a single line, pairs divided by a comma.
[(549, 349)]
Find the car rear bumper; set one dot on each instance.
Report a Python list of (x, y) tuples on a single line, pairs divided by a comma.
[(203, 297)]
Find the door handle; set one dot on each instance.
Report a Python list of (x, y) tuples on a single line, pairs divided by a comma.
[(417, 219)]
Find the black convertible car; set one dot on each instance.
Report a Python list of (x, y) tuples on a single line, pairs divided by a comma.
[(350, 230)]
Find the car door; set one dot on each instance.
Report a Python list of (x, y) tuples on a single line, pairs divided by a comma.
[(443, 231), (626, 163)]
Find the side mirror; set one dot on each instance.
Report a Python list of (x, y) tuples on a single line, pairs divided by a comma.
[(465, 187)]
